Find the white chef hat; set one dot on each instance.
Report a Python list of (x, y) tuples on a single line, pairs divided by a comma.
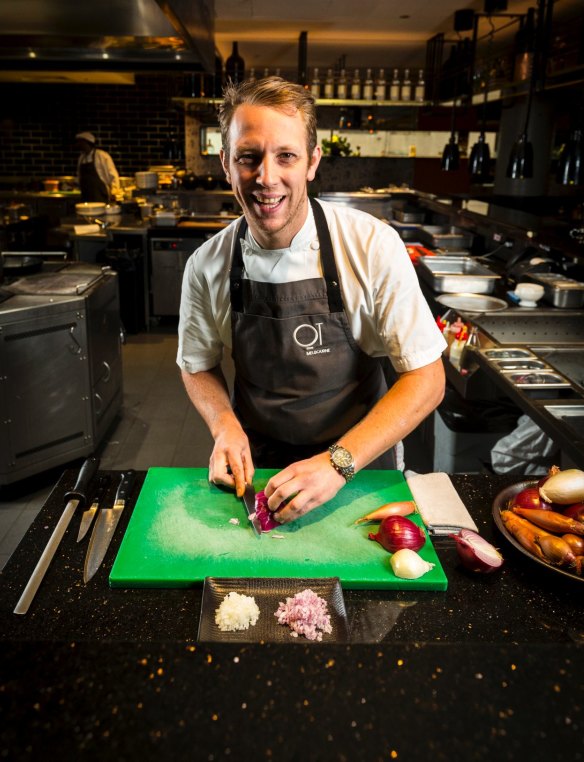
[(86, 136)]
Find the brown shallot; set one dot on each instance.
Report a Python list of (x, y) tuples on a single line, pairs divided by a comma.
[(551, 520), (564, 487), (399, 508)]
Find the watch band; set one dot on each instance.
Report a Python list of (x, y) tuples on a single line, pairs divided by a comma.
[(342, 461)]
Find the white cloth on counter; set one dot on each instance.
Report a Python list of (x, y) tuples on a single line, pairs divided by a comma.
[(86, 229), (439, 503)]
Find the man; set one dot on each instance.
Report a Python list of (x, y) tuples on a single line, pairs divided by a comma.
[(308, 296), (96, 171)]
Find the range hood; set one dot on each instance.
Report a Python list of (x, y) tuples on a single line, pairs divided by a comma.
[(111, 35)]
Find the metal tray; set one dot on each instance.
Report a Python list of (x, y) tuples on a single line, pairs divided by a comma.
[(536, 327), (445, 237), (472, 302), (559, 290), (571, 416), (457, 275), (536, 379), (500, 503), (517, 365), (507, 353)]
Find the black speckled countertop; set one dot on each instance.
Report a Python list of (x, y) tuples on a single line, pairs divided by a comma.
[(490, 669)]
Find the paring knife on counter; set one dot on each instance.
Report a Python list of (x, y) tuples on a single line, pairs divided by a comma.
[(87, 517), (104, 527), (75, 497), (249, 501)]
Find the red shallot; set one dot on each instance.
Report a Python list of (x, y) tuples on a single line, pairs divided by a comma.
[(530, 498), (574, 511), (575, 542), (397, 532), (400, 508), (475, 553)]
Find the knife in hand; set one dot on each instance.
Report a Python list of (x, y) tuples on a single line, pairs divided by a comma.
[(249, 501), (87, 517), (104, 527)]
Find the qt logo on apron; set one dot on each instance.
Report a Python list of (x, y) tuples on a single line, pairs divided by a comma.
[(309, 337)]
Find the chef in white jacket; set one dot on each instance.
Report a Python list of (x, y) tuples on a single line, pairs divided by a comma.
[(96, 171)]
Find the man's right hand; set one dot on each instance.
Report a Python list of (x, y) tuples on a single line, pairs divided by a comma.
[(231, 462)]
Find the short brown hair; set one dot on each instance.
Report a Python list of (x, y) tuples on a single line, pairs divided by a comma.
[(273, 92)]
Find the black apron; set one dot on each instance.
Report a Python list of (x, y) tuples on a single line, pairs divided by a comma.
[(301, 380), (91, 185)]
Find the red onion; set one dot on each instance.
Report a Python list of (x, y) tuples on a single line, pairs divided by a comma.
[(475, 553), (397, 532), (574, 511), (530, 498), (264, 514)]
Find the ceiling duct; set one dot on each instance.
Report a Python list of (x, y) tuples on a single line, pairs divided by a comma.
[(120, 35)]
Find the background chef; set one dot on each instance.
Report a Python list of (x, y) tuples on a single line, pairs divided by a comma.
[(96, 171), (308, 296)]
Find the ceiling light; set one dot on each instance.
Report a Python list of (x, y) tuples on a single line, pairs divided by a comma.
[(32, 54), (105, 56), (571, 164), (479, 163)]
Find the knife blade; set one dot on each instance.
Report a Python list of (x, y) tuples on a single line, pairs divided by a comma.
[(87, 517), (75, 497), (249, 501), (105, 526)]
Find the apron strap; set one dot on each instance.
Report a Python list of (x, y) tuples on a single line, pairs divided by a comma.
[(327, 258), (329, 266)]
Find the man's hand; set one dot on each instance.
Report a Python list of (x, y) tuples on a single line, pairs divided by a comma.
[(305, 485), (231, 462)]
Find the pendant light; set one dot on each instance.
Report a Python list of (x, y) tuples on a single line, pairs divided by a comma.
[(479, 163), (520, 166), (571, 164)]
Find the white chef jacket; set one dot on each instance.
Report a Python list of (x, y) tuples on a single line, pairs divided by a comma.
[(387, 312), (105, 168)]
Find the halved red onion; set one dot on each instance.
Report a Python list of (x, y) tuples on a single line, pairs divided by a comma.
[(264, 514), (475, 553), (397, 532)]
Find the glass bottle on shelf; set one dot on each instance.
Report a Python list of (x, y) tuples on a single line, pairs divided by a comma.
[(342, 85), (329, 84), (420, 91), (251, 76), (266, 72), (235, 66), (468, 362), (381, 86), (394, 89), (356, 86), (315, 83), (406, 89), (368, 86)]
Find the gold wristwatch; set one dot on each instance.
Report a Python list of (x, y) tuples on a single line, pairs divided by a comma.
[(342, 461)]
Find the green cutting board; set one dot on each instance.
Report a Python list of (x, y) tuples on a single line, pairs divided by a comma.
[(179, 533)]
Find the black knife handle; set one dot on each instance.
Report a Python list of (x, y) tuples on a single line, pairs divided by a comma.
[(102, 486), (126, 485), (86, 474)]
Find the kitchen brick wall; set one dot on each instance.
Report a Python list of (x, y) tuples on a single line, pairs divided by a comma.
[(38, 123)]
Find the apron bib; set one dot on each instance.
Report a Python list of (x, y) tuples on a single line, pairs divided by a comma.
[(91, 185), (301, 380)]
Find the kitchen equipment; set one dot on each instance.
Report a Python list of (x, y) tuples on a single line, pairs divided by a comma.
[(90, 208), (249, 501), (536, 379), (571, 416), (569, 361), (165, 218), (168, 257), (88, 515), (472, 302), (75, 497), (113, 209), (410, 215), (445, 237), (179, 534), (501, 503), (146, 180), (105, 526), (268, 593), (560, 290), (530, 328), (508, 353), (457, 275), (51, 186)]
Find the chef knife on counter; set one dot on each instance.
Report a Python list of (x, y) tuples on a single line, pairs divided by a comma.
[(249, 501), (88, 515), (74, 498), (105, 526)]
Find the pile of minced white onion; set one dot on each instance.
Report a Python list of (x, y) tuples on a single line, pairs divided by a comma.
[(236, 612)]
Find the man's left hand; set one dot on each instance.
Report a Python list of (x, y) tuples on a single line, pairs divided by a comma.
[(305, 485)]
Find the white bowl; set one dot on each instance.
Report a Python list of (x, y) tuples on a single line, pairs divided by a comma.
[(529, 292), (90, 208)]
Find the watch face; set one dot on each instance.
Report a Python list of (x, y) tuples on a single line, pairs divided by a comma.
[(342, 458)]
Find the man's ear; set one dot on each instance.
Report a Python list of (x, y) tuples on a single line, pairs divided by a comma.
[(314, 162), (225, 165)]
